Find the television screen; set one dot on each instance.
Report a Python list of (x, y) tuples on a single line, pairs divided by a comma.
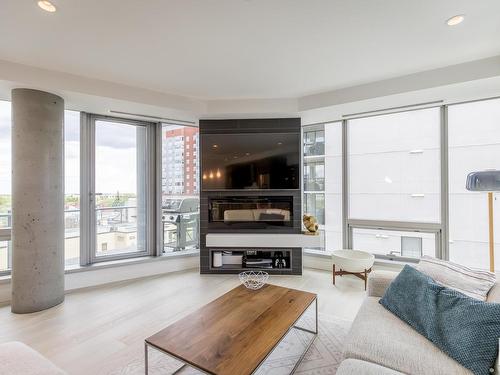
[(250, 161)]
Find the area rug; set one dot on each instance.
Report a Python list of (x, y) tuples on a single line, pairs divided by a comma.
[(322, 358)]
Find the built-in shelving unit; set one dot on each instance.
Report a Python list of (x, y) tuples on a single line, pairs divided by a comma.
[(288, 264)]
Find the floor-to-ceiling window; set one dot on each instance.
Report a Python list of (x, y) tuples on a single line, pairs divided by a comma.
[(72, 188), (394, 167), (118, 189), (474, 145), (180, 188), (115, 161), (323, 181), (314, 172), (5, 186), (394, 183)]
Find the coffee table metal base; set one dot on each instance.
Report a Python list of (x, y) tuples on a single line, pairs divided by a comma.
[(294, 326)]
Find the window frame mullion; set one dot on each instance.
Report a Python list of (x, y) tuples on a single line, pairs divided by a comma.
[(87, 183)]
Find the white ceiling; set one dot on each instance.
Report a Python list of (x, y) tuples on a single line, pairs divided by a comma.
[(237, 49)]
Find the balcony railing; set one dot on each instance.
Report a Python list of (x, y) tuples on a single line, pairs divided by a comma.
[(314, 184), (180, 230)]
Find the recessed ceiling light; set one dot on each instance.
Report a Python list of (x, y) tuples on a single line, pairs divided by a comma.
[(47, 6), (455, 20)]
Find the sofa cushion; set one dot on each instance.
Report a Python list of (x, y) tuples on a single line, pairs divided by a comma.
[(18, 359), (472, 283), (379, 336), (494, 294), (356, 367), (465, 328)]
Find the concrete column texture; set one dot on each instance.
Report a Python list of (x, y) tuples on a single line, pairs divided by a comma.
[(37, 200)]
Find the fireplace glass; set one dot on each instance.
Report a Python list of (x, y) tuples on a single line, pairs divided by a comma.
[(251, 212)]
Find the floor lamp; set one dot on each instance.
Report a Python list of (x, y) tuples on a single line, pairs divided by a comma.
[(488, 181)]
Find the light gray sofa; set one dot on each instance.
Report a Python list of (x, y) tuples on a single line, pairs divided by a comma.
[(379, 343)]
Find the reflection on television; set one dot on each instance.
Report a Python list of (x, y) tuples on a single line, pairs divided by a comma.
[(250, 161)]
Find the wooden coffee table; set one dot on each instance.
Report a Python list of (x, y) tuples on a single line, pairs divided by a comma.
[(234, 334)]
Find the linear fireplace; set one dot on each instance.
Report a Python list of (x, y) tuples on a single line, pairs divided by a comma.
[(250, 212)]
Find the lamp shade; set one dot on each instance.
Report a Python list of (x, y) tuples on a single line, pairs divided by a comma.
[(483, 181)]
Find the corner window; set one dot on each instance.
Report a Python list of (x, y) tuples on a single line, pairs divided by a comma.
[(71, 188), (394, 167), (474, 145), (322, 182), (180, 198)]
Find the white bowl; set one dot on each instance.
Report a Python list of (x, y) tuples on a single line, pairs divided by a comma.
[(352, 260), (253, 279)]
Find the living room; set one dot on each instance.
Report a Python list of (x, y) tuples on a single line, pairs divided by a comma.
[(249, 186)]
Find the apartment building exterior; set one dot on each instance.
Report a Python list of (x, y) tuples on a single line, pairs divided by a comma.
[(180, 160)]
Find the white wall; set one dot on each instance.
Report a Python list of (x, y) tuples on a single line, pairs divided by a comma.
[(98, 96), (470, 80)]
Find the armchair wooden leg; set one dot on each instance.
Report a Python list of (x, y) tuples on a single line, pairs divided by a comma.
[(366, 277), (334, 274)]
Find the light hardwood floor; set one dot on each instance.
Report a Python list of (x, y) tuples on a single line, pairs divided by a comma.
[(96, 330)]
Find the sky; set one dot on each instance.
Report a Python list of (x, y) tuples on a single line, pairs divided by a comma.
[(116, 157), (71, 152), (115, 154)]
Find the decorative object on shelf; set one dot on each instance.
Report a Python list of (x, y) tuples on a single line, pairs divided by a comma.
[(217, 261), (352, 262), (253, 279), (278, 260), (234, 258), (487, 181), (311, 224)]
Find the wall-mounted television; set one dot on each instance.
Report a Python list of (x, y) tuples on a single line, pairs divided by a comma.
[(250, 161)]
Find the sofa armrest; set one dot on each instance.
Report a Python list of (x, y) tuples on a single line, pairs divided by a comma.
[(378, 281)]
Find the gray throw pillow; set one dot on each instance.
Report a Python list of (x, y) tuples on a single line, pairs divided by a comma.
[(471, 282), (463, 327)]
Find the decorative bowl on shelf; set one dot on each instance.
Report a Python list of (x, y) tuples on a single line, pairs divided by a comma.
[(253, 279)]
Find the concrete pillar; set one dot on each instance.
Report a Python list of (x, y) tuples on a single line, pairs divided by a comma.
[(37, 200)]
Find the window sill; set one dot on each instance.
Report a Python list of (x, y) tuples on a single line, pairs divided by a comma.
[(119, 263), (317, 253), (378, 261)]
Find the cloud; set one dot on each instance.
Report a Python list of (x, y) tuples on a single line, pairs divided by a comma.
[(116, 170), (5, 119), (116, 135), (71, 126)]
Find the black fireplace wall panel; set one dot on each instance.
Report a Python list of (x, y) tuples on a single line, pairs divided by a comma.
[(260, 126)]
